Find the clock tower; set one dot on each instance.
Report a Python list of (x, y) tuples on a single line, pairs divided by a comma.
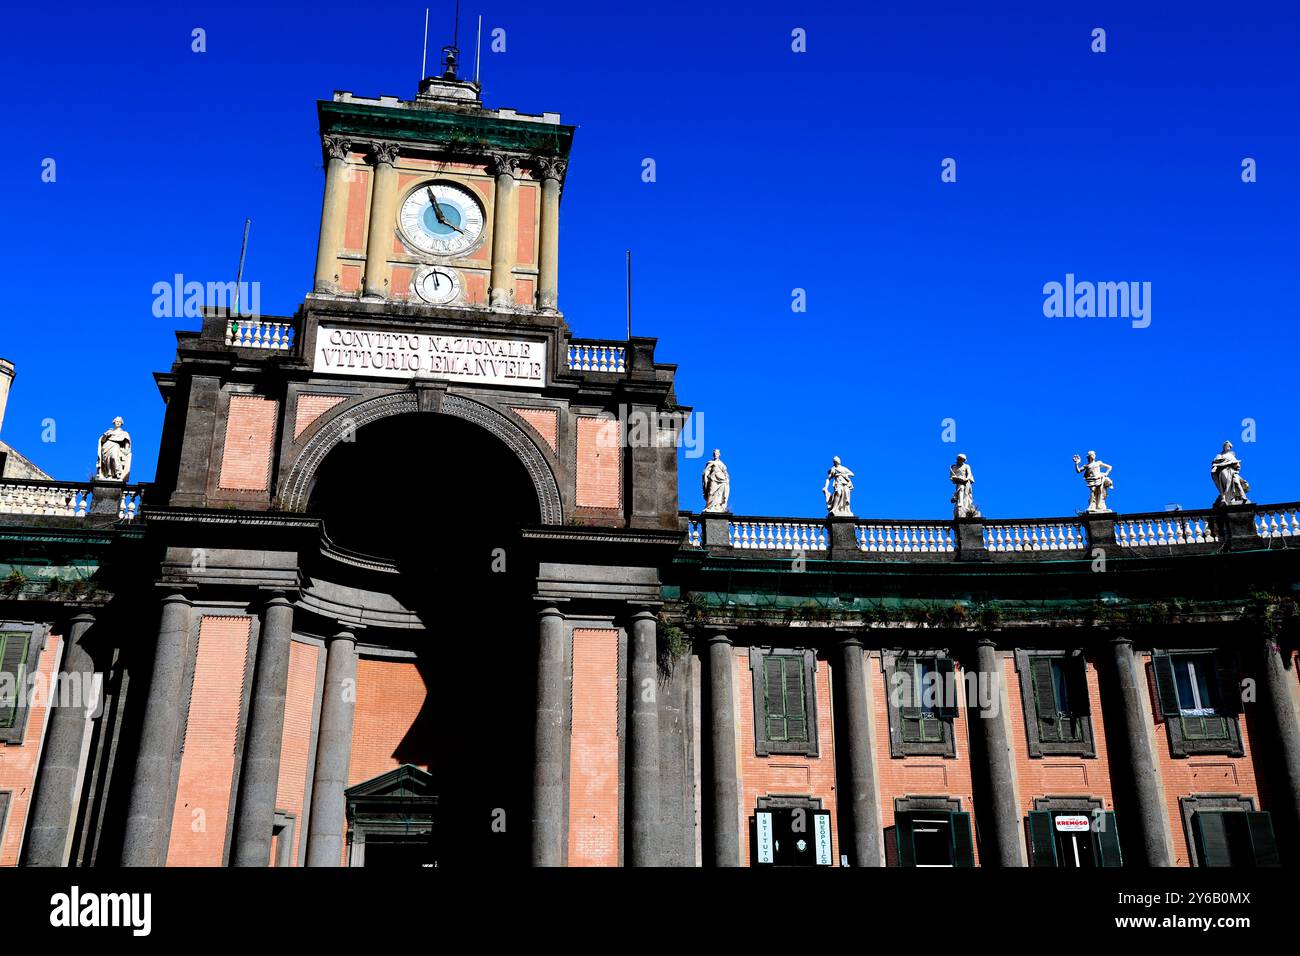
[(438, 201)]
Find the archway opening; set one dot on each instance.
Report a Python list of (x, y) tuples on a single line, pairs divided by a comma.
[(443, 500)]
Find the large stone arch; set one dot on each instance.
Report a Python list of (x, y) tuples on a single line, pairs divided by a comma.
[(297, 486)]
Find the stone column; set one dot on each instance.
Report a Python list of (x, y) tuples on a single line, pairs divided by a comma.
[(642, 847), (333, 753), (1143, 770), (153, 789), (722, 739), (1282, 701), (548, 262), (333, 214), (548, 767), (383, 218), (505, 221), (255, 813), (863, 801), (59, 778), (1007, 844)]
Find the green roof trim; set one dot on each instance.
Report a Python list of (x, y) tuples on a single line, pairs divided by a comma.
[(465, 130)]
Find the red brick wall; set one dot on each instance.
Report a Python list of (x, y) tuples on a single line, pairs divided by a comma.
[(526, 234), (593, 749), (250, 434), (354, 233), (390, 695), (18, 763), (295, 744), (1057, 776), (524, 289), (310, 408), (785, 774), (1184, 776), (919, 776), (545, 420), (208, 763), (599, 472)]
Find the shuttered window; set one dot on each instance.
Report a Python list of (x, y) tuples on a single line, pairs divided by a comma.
[(933, 838), (784, 699), (15, 654), (1198, 694), (1053, 843), (1235, 838), (785, 709), (1060, 698), (922, 692)]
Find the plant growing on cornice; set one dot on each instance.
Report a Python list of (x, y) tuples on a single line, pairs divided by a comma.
[(14, 583), (1271, 611)]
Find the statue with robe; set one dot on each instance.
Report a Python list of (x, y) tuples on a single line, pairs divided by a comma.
[(114, 454), (1096, 474), (717, 484), (837, 490), (963, 496), (1226, 472)]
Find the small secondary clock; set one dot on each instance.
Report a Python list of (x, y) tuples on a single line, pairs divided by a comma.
[(442, 219), (436, 285)]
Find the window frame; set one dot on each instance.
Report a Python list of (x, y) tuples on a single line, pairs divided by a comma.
[(891, 661), (36, 641), (1083, 805), (1190, 806), (1182, 743), (764, 746), (905, 808), (1038, 747), (767, 803)]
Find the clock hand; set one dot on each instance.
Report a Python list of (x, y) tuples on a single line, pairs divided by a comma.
[(437, 211)]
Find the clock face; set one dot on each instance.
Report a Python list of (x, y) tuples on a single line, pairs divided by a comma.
[(442, 219), (436, 285)]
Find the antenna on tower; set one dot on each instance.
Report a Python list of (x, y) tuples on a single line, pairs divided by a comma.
[(451, 54), (424, 56), (239, 276), (629, 296), (478, 48)]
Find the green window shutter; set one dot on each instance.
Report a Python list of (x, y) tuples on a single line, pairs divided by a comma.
[(903, 834), (1044, 694), (909, 704), (1108, 840), (1166, 688), (949, 689), (1076, 669), (13, 663), (774, 697), (963, 846), (1229, 686), (1042, 839), (1260, 825), (1211, 838), (796, 713)]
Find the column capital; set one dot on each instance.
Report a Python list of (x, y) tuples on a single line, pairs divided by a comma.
[(1121, 638), (336, 147), (504, 164), (719, 635), (383, 153), (550, 167), (346, 632), (179, 593), (645, 609), (278, 597)]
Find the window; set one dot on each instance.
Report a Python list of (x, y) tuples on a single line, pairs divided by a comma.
[(921, 690), (931, 838), (1057, 707), (785, 710), (791, 835), (1234, 838), (20, 648), (1227, 830), (1197, 693), (1078, 838)]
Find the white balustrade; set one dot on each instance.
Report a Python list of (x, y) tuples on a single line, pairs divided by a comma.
[(129, 507), (256, 334), (1278, 522), (904, 538), (1023, 536), (1170, 531), (586, 357), (693, 531), (777, 535), (52, 499)]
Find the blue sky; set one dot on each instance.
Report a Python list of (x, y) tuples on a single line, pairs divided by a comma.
[(775, 171)]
